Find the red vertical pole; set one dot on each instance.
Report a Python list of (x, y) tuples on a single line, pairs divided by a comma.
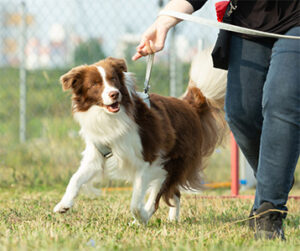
[(234, 167)]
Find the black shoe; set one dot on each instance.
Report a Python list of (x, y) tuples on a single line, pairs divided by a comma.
[(267, 224), (251, 219)]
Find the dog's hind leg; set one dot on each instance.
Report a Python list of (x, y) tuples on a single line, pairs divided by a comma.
[(175, 210), (90, 165)]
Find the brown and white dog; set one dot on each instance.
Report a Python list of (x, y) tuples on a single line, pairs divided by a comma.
[(160, 149)]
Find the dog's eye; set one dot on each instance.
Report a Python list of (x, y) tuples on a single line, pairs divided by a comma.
[(113, 79), (92, 84)]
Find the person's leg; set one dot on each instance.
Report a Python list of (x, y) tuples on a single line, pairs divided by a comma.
[(248, 67), (280, 138)]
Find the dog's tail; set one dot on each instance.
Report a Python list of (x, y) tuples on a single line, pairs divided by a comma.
[(206, 92)]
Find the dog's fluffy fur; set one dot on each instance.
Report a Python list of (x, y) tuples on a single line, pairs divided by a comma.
[(160, 149)]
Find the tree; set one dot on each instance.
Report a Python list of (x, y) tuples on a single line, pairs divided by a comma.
[(88, 52)]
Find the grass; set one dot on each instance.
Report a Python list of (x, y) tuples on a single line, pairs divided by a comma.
[(33, 177), (27, 223)]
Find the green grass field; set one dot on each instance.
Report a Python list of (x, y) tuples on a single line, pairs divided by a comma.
[(27, 223), (33, 177)]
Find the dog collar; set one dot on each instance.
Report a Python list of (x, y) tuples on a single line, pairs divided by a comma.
[(104, 150), (145, 97), (148, 73)]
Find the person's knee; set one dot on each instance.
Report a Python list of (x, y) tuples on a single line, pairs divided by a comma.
[(281, 103), (271, 105), (243, 123)]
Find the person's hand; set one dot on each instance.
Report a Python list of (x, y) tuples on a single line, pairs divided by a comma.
[(153, 40)]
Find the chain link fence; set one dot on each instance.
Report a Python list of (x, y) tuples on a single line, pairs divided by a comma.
[(41, 40)]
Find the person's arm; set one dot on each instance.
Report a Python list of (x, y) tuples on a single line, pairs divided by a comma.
[(153, 40)]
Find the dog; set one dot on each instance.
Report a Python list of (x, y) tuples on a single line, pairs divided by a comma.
[(161, 149)]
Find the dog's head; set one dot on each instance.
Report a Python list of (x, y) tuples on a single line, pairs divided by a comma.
[(102, 84)]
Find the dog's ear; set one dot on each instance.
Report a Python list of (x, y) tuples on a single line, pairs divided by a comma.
[(117, 63), (73, 78)]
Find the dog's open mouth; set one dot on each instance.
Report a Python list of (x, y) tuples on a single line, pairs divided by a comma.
[(115, 107)]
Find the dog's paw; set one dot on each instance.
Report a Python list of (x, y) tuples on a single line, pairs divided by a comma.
[(62, 207), (140, 216), (134, 223)]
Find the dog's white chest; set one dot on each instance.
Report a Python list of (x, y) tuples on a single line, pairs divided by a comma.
[(126, 156), (120, 134)]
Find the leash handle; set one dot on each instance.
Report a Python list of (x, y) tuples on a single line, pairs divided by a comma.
[(148, 73), (223, 26)]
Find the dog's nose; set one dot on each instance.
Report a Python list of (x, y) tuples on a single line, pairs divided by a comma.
[(113, 94)]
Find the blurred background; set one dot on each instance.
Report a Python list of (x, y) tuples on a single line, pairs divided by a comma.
[(42, 39)]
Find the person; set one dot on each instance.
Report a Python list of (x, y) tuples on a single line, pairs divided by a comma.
[(262, 103)]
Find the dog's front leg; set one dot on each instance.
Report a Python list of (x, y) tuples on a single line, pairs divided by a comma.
[(91, 164), (155, 188), (140, 185)]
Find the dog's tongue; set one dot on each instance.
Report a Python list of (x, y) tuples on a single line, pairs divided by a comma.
[(115, 107)]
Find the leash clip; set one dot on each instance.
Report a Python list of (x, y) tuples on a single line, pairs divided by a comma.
[(145, 95), (232, 8), (148, 73)]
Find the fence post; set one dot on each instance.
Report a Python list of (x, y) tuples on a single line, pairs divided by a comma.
[(172, 63), (22, 75), (234, 167)]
